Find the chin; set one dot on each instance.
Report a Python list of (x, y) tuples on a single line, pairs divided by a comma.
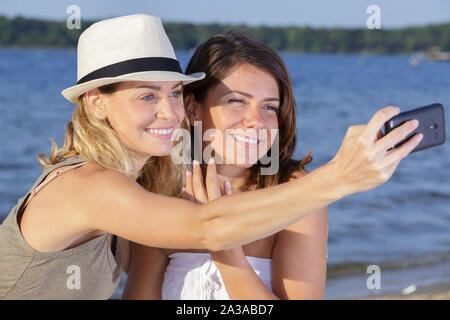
[(244, 165), (241, 164), (161, 151)]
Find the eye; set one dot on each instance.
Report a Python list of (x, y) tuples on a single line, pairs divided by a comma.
[(272, 108), (176, 94), (150, 97), (236, 100)]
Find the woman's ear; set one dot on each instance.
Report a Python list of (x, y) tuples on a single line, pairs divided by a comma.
[(95, 103), (193, 109)]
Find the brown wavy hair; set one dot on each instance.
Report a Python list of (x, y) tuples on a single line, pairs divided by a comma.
[(216, 57)]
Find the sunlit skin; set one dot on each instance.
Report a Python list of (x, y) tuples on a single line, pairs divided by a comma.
[(137, 106), (91, 200), (245, 103), (298, 252)]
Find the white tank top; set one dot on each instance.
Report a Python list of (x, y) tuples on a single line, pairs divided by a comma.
[(194, 276)]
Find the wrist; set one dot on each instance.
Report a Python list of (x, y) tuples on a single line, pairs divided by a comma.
[(334, 184)]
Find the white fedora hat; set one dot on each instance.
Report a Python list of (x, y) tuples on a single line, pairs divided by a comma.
[(129, 48)]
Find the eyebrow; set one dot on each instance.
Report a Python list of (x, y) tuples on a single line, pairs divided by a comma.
[(148, 86), (250, 96)]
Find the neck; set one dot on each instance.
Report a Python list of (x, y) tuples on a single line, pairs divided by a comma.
[(139, 161)]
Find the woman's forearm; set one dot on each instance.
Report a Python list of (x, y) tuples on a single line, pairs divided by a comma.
[(240, 279), (242, 218), (164, 222)]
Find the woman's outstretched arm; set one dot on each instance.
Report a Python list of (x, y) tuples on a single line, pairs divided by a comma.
[(113, 203)]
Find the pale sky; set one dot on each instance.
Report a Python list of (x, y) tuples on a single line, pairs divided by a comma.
[(314, 13)]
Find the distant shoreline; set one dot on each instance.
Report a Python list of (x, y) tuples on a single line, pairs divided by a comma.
[(433, 292), (362, 54), (19, 32)]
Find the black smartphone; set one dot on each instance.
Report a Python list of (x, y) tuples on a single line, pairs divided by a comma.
[(431, 125)]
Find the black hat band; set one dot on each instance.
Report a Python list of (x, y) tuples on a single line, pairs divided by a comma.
[(133, 65)]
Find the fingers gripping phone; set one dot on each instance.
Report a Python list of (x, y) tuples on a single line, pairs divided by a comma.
[(431, 125)]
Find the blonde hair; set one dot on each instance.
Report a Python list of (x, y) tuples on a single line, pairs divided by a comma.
[(97, 142)]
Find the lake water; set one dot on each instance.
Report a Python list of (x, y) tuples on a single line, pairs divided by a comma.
[(402, 226)]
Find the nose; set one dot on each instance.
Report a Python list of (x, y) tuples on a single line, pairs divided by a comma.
[(253, 117), (166, 110)]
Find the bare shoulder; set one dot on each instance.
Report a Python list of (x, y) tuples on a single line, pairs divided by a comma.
[(87, 175), (55, 218), (79, 188), (93, 189), (94, 174), (92, 181)]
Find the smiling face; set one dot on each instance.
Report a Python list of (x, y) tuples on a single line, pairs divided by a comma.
[(243, 108), (143, 114)]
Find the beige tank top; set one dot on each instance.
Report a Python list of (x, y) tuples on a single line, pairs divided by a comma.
[(87, 271)]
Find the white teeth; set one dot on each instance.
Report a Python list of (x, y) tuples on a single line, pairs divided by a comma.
[(162, 132), (244, 139)]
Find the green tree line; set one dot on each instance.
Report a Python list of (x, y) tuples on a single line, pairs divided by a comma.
[(24, 32)]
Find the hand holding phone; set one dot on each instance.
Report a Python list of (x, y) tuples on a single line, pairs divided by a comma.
[(431, 125)]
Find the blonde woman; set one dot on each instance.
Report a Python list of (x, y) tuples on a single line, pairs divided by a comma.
[(113, 178)]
